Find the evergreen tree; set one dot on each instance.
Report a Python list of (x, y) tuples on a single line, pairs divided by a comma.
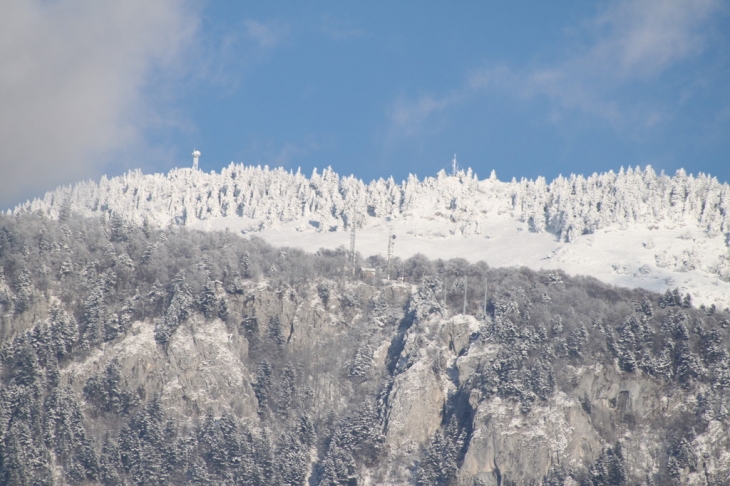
[(262, 386), (110, 463), (440, 459), (177, 311), (209, 300), (610, 468), (107, 390)]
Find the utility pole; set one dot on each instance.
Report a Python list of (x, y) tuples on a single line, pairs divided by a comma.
[(352, 244), (486, 290), (466, 282), (391, 243)]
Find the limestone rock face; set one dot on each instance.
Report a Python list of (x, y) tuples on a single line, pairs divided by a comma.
[(203, 368), (415, 407), (510, 445)]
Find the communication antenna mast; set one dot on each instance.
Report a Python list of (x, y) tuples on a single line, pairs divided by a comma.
[(196, 156), (454, 165), (391, 243)]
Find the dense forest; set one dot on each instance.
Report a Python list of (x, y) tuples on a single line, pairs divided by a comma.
[(137, 355), (461, 204)]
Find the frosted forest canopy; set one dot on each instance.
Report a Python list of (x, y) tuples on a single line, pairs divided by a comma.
[(567, 206)]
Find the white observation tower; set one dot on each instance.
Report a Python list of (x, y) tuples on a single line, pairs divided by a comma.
[(196, 156)]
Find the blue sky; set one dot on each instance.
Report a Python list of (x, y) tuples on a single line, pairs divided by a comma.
[(369, 88)]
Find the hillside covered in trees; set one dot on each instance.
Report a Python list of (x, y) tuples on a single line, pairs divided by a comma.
[(138, 355)]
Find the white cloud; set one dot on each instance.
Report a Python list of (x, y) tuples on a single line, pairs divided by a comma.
[(75, 74), (646, 37), (632, 41)]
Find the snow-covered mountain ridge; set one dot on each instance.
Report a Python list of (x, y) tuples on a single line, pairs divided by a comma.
[(567, 207), (633, 228)]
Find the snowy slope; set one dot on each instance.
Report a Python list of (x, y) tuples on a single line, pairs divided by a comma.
[(635, 228)]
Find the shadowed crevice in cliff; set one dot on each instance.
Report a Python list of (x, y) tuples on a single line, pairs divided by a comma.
[(459, 410), (395, 360)]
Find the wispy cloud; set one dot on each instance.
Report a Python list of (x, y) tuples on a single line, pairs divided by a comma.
[(410, 116), (225, 60), (75, 83), (284, 156), (339, 29), (645, 37), (564, 88), (266, 35), (630, 42)]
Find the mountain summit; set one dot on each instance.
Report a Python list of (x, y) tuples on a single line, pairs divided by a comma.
[(632, 228)]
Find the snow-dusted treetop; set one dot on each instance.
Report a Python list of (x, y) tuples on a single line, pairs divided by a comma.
[(263, 197)]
